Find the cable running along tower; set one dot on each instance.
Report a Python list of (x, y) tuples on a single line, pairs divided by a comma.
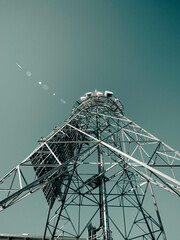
[(97, 173)]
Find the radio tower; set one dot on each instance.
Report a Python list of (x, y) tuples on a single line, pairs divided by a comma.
[(97, 173)]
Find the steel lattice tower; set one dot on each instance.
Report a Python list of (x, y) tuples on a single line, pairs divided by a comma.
[(97, 173)]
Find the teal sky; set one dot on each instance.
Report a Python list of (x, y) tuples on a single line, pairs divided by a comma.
[(130, 47)]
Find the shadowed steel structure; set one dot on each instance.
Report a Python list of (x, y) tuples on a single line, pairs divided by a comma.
[(26, 236), (97, 173)]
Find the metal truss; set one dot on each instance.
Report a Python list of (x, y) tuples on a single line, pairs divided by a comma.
[(97, 173)]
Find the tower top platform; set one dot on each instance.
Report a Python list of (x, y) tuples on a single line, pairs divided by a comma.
[(99, 98)]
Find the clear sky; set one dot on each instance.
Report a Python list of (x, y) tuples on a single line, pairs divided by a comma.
[(53, 51)]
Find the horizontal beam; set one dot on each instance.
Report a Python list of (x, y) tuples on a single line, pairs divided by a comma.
[(151, 169)]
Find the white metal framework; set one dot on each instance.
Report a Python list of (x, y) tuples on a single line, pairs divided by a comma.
[(97, 173)]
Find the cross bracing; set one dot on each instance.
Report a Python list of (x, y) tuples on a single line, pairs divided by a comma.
[(99, 168)]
